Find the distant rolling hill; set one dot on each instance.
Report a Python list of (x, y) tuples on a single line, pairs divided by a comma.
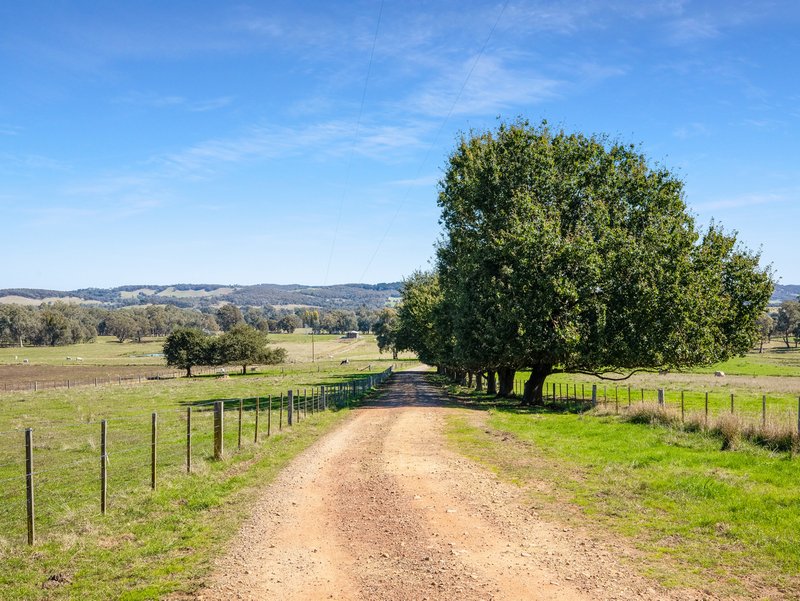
[(784, 292), (340, 296)]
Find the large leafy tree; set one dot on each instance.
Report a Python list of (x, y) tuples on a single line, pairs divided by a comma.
[(385, 328), (244, 345), (424, 324), (186, 347), (571, 253)]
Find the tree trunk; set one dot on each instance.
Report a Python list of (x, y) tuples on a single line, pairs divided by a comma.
[(506, 377), (244, 370), (189, 372), (394, 354), (479, 381), (761, 346), (534, 387), (469, 379), (491, 382)]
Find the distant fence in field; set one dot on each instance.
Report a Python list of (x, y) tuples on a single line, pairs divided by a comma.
[(36, 385), (51, 477)]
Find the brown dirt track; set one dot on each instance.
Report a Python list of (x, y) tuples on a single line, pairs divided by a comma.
[(380, 509)]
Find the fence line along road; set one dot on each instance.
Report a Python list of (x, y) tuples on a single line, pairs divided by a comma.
[(138, 454)]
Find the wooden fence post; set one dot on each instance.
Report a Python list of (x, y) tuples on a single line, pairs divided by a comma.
[(731, 403), (219, 429), (103, 466), (269, 415), (322, 397), (683, 410), (280, 415), (706, 410), (305, 403), (763, 410), (258, 408), (29, 484), (629, 395), (241, 406), (594, 394), (188, 440), (154, 451), (661, 397), (289, 408), (554, 392)]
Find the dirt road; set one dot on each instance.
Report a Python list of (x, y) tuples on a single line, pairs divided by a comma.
[(380, 509)]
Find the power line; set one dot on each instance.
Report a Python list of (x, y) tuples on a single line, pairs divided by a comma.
[(435, 140), (353, 146)]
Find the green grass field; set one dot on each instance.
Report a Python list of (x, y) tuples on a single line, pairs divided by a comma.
[(724, 522), (149, 542)]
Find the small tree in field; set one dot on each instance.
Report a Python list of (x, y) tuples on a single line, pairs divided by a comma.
[(765, 325), (243, 345), (186, 347)]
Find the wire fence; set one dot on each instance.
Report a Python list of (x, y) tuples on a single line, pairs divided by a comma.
[(48, 384), (753, 410), (54, 479)]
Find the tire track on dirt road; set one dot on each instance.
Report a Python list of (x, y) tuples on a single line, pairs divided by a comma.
[(380, 510)]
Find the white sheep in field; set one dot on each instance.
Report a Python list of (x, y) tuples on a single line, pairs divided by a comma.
[(78, 358), (719, 374)]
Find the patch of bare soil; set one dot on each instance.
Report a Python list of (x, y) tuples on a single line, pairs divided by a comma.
[(22, 377), (381, 510)]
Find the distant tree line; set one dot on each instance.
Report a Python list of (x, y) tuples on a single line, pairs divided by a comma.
[(62, 323), (784, 323)]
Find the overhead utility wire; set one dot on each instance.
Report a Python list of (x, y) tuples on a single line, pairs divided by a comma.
[(435, 140), (353, 146)]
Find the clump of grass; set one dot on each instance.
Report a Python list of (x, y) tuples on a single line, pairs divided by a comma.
[(729, 428), (773, 436), (654, 415)]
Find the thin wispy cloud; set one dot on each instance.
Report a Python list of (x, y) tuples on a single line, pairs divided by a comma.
[(493, 86), (9, 130), (272, 142), (424, 181), (747, 200), (690, 130), (153, 100)]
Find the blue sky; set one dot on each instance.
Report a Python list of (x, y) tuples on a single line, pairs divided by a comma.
[(286, 142)]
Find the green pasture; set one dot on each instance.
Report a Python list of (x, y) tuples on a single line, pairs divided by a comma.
[(699, 515), (105, 350), (149, 542)]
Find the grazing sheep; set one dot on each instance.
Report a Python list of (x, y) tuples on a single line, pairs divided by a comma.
[(719, 374)]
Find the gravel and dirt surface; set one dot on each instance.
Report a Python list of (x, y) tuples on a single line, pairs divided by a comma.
[(380, 509)]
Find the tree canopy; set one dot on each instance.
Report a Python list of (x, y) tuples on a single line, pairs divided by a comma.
[(563, 252)]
